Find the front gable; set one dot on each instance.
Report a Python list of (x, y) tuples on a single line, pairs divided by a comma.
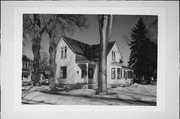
[(114, 54), (70, 53)]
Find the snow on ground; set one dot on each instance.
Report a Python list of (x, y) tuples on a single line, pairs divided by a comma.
[(133, 95), (137, 93)]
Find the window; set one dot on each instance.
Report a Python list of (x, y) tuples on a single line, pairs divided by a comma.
[(113, 56), (130, 74), (120, 61), (24, 65), (63, 52), (113, 73), (119, 73), (27, 64), (125, 74), (63, 72)]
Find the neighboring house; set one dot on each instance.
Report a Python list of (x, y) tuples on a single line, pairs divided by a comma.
[(27, 67), (77, 63)]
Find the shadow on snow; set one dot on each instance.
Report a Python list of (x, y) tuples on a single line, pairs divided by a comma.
[(103, 97)]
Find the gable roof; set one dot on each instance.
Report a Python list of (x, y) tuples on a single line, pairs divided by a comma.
[(77, 46), (85, 51), (96, 49), (110, 45), (26, 59)]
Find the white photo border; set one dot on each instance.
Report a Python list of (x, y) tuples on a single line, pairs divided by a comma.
[(168, 60)]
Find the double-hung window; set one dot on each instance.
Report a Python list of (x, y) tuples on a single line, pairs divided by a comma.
[(125, 74), (119, 73), (113, 56), (130, 74), (113, 73), (63, 52)]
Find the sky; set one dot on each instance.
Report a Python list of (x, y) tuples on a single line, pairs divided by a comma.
[(121, 31)]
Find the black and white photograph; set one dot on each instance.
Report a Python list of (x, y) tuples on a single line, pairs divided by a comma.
[(89, 60), (79, 59)]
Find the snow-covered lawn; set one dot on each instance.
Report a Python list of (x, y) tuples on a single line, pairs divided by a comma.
[(133, 95)]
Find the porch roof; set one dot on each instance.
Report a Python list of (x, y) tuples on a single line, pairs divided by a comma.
[(127, 68), (116, 63)]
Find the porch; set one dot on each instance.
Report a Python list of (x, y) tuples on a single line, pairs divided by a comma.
[(89, 73)]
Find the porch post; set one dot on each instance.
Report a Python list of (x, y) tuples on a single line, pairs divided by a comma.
[(87, 74)]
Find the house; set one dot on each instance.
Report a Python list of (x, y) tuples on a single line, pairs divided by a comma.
[(27, 67), (77, 63)]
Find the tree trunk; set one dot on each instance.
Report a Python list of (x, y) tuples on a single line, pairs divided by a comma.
[(52, 51), (105, 25), (36, 52), (52, 60), (36, 45)]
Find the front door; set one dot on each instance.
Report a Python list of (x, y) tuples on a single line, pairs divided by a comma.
[(90, 77)]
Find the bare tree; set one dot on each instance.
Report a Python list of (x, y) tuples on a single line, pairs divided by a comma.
[(60, 24), (105, 26), (56, 26), (44, 62), (33, 26)]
